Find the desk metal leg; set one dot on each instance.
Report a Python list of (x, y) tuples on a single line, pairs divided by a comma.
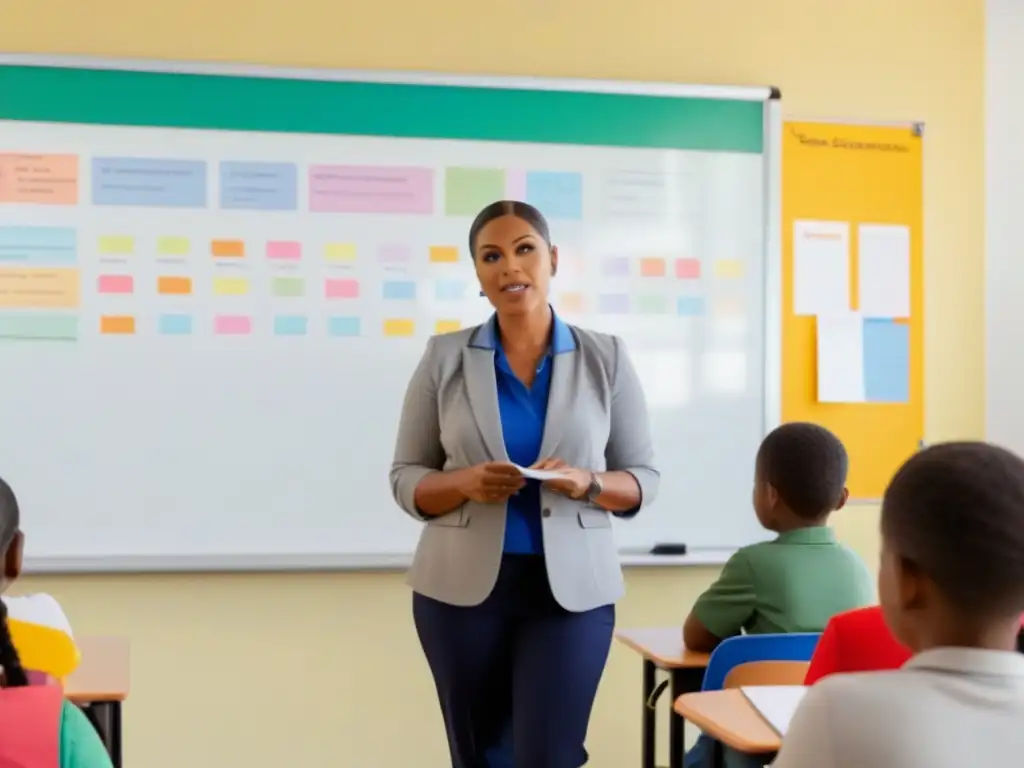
[(647, 750), (676, 727), (107, 715)]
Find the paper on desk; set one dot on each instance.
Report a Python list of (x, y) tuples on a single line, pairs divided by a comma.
[(539, 474), (775, 703)]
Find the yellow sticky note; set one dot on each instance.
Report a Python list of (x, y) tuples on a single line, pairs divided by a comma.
[(230, 286), (729, 269), (399, 327), (444, 254), (447, 326), (172, 246), (341, 252), (117, 245)]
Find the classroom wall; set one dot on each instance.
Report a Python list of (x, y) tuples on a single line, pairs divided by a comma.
[(263, 670), (1004, 192)]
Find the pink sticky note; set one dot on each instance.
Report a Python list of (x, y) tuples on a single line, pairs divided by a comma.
[(232, 325), (515, 185), (687, 269), (342, 289), (284, 249), (370, 189), (115, 284)]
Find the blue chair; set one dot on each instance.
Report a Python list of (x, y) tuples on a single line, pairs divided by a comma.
[(742, 649)]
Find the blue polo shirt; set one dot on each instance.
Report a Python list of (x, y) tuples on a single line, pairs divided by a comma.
[(523, 411)]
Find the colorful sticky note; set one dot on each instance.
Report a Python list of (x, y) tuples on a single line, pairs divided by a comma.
[(174, 286), (39, 246), (570, 302), (613, 304), (117, 324), (173, 246), (341, 289), (402, 290), (690, 306), (174, 325), (652, 267), (340, 252), (290, 325), (227, 249), (148, 182), (468, 190), (254, 186), (450, 290), (729, 269), (447, 326), (115, 284), (343, 326), (39, 179), (288, 286), (652, 304), (371, 189), (116, 245), (558, 194), (232, 325), (444, 254), (617, 267), (399, 327), (39, 288), (230, 286), (38, 326), (285, 250), (688, 269), (886, 361), (395, 254)]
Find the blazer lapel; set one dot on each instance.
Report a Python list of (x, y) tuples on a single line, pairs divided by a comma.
[(482, 387), (560, 401)]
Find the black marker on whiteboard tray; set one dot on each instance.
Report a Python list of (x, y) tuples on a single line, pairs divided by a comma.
[(668, 548)]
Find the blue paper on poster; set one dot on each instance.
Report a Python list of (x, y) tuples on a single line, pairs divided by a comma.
[(886, 361)]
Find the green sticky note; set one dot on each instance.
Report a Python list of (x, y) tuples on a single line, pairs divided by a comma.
[(288, 286), (172, 246), (652, 305), (38, 327), (467, 190)]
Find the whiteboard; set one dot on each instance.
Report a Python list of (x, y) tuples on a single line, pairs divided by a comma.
[(210, 306)]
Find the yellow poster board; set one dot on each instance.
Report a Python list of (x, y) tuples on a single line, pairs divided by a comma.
[(857, 175)]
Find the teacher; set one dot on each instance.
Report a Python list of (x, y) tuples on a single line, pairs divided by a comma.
[(515, 581)]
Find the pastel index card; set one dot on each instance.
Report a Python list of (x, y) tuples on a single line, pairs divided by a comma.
[(444, 254), (394, 254), (290, 325), (174, 286), (616, 267), (287, 250), (399, 327), (343, 326), (449, 290), (39, 179), (652, 267), (688, 269), (467, 190), (175, 325), (729, 269), (170, 245), (886, 361), (288, 286), (232, 325), (227, 249), (116, 245), (447, 326), (341, 289), (402, 290), (230, 286), (117, 325), (115, 284), (340, 252), (571, 302)]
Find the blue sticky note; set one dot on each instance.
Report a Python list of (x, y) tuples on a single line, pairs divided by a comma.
[(558, 195), (150, 182), (259, 186), (38, 246), (290, 325), (690, 306), (175, 325), (450, 290), (343, 326), (886, 361), (404, 290)]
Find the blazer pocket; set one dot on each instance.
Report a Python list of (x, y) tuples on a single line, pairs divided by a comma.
[(457, 518), (594, 518)]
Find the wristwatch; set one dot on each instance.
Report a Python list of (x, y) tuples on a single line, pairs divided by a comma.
[(595, 488)]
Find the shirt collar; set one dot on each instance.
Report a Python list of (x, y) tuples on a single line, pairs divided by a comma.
[(816, 534), (562, 338), (971, 661)]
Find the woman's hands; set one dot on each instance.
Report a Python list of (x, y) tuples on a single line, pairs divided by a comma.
[(491, 482), (575, 482)]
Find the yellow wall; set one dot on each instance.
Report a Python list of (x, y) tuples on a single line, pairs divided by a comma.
[(225, 666)]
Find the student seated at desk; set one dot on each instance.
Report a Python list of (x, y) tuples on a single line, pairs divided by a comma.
[(38, 727), (856, 641), (802, 578), (952, 590)]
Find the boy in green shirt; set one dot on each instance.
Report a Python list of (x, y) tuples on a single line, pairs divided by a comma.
[(803, 577)]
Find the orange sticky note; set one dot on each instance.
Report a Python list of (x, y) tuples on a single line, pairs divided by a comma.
[(570, 302), (399, 327), (652, 267), (40, 179), (444, 254), (174, 286), (227, 249), (447, 326), (117, 324)]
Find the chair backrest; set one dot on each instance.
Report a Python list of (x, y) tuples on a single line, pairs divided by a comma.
[(797, 646), (767, 673)]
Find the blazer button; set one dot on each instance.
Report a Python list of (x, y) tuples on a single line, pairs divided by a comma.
[(545, 512)]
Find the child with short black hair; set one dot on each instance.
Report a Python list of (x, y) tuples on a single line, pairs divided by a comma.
[(38, 727), (952, 590)]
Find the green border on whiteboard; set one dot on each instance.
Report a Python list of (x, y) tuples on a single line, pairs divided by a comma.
[(279, 105)]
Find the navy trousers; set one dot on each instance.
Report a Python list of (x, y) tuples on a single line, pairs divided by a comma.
[(518, 658)]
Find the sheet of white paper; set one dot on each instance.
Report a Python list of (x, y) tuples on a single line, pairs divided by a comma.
[(776, 703), (821, 267), (883, 268), (841, 358), (538, 474)]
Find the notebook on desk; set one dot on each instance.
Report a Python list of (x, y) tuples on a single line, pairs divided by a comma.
[(775, 703)]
